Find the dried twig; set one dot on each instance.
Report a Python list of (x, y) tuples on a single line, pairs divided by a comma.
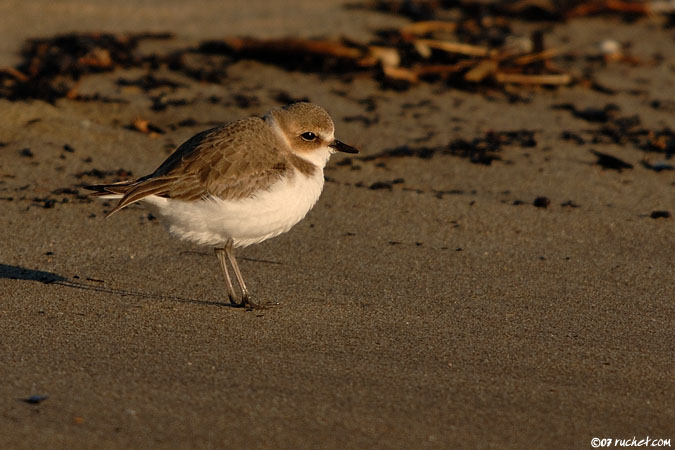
[(400, 73), (15, 73), (534, 57), (454, 47), (559, 79), (388, 56), (481, 71), (414, 29)]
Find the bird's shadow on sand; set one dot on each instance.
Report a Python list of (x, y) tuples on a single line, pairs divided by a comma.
[(22, 273)]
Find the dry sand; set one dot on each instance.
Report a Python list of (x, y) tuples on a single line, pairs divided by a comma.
[(445, 312)]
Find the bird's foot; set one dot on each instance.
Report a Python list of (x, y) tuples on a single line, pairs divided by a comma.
[(245, 302)]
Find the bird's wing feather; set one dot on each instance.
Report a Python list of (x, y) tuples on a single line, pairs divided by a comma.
[(229, 162)]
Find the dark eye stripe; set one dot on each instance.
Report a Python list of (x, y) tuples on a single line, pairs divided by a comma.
[(308, 136)]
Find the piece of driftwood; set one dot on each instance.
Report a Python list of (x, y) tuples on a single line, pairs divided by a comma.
[(454, 47), (535, 57), (400, 74), (416, 29), (484, 69), (387, 56), (14, 73), (558, 79)]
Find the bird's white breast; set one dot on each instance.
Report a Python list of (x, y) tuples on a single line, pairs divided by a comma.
[(268, 213)]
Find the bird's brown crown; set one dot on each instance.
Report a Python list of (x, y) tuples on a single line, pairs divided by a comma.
[(305, 126)]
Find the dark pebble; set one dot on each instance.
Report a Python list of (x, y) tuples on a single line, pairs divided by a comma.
[(380, 185), (660, 214), (35, 399), (541, 202)]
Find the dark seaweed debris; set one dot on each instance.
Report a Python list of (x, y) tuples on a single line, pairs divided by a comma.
[(366, 121), (46, 203), (385, 184), (285, 98), (591, 114), (104, 174), (480, 150), (149, 82), (462, 43), (541, 202), (68, 195), (610, 162), (294, 54), (51, 64), (660, 214), (533, 10), (616, 129)]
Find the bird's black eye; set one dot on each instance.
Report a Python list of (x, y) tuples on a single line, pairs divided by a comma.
[(308, 136)]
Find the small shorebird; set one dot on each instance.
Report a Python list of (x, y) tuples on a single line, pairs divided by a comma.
[(238, 184)]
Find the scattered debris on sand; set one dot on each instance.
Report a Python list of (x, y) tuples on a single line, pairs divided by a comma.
[(464, 44)]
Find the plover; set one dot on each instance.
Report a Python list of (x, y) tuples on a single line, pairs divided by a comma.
[(238, 184)]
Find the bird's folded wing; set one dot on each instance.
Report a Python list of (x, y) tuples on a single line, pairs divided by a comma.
[(230, 162)]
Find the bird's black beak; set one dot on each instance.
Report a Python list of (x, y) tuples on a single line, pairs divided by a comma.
[(342, 147)]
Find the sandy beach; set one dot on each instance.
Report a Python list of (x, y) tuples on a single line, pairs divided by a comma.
[(518, 297)]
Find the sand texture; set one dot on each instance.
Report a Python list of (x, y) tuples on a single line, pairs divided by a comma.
[(477, 277)]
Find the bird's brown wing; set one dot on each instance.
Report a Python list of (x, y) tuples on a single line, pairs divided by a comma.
[(229, 162)]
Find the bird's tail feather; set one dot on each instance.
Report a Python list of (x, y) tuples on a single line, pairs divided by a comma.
[(114, 190)]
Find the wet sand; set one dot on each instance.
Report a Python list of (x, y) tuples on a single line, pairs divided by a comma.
[(425, 302)]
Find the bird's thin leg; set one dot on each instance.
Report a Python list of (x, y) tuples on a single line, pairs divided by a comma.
[(220, 253), (245, 299)]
